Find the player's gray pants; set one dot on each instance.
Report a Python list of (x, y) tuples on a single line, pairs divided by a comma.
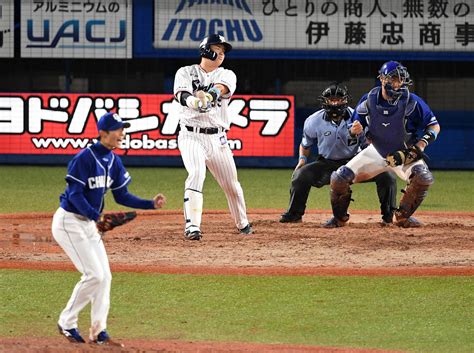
[(80, 240), (199, 151)]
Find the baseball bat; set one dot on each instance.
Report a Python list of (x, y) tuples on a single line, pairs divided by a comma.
[(201, 95)]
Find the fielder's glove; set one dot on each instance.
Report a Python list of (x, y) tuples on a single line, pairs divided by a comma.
[(109, 221), (404, 157)]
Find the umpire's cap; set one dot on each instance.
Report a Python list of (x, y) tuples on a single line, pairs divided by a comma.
[(111, 122)]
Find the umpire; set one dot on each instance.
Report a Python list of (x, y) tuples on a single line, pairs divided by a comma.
[(329, 129)]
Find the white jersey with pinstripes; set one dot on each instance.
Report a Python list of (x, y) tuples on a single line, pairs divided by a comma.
[(192, 79), (201, 150)]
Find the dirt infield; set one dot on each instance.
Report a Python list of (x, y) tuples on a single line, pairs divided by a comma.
[(57, 345), (154, 242)]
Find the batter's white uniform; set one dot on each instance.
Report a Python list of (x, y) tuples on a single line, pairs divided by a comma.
[(200, 149)]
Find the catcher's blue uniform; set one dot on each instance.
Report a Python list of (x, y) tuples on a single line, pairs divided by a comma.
[(393, 127)]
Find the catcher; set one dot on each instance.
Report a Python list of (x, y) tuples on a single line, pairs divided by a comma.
[(392, 116), (78, 226)]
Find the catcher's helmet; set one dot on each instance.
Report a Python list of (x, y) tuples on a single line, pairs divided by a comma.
[(335, 91), (397, 70), (205, 46)]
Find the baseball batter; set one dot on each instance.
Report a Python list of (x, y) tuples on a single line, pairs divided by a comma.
[(203, 92), (91, 173), (392, 116)]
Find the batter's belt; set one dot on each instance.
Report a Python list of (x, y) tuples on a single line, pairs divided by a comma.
[(205, 130)]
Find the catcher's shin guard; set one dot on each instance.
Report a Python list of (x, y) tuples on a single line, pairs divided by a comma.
[(341, 181), (415, 192)]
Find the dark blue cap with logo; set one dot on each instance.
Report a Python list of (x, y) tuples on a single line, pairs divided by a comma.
[(111, 122)]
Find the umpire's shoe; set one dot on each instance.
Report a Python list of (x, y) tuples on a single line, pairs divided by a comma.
[(289, 218), (247, 230), (335, 223), (103, 338), (195, 235), (72, 335), (387, 220)]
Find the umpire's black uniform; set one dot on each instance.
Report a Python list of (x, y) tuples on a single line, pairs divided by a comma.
[(336, 147)]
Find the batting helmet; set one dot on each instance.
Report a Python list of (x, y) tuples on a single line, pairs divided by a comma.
[(205, 46), (329, 95)]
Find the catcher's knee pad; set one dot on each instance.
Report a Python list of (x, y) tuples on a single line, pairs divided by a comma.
[(342, 178), (341, 181), (414, 194), (420, 175)]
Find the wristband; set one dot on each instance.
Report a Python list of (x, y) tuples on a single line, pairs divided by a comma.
[(429, 136), (215, 93), (304, 158)]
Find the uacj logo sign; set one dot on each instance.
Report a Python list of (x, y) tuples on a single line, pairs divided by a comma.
[(76, 29), (189, 21)]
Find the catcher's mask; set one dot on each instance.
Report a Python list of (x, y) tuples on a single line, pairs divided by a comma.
[(335, 100), (205, 46), (394, 70)]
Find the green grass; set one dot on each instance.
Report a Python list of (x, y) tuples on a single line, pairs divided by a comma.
[(37, 189), (416, 314)]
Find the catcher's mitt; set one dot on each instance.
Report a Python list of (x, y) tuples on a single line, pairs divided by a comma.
[(109, 221), (404, 157)]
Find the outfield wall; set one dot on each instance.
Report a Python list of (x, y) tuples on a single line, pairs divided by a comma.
[(280, 49), (48, 129)]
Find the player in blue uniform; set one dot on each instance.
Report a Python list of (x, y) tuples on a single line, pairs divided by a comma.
[(392, 117), (91, 173), (328, 128)]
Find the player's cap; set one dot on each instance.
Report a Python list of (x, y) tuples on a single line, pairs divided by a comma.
[(111, 122)]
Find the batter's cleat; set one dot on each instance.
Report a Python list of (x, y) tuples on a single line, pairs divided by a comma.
[(335, 223), (72, 335), (288, 218), (246, 230), (409, 222), (195, 235), (103, 338)]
